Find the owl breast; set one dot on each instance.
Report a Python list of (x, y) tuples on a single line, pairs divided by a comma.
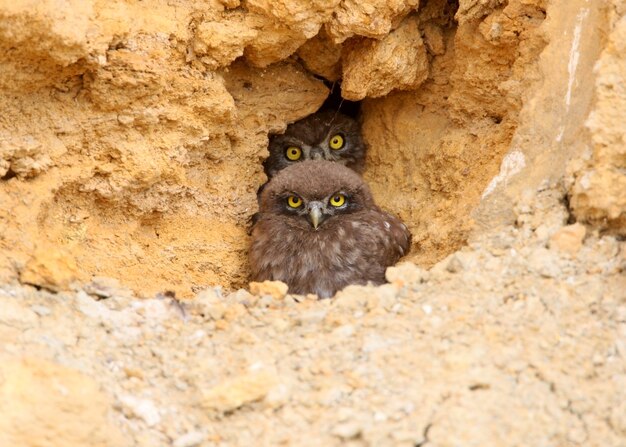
[(353, 251)]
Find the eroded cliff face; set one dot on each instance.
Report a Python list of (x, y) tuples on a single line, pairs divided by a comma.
[(131, 140), (132, 133), (598, 194)]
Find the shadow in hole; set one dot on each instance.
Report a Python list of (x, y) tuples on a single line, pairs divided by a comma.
[(336, 102)]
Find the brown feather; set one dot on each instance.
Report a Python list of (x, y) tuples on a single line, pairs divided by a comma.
[(353, 245)]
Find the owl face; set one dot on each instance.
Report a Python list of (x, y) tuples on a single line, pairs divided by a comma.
[(311, 202), (326, 135)]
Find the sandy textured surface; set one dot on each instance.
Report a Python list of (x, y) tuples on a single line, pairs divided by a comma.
[(132, 133), (517, 340), (131, 140)]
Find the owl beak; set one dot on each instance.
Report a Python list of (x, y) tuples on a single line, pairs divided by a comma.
[(315, 213), (317, 154)]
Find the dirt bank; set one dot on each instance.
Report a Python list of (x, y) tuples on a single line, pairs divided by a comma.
[(131, 140), (132, 132)]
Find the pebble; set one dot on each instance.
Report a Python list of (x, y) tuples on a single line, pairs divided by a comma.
[(278, 396), (234, 392), (275, 289), (143, 409), (105, 287), (191, 439), (455, 265), (209, 304), (312, 316), (90, 307), (347, 430), (42, 311), (406, 273), (242, 296), (568, 239), (407, 436), (14, 314), (345, 331), (544, 262)]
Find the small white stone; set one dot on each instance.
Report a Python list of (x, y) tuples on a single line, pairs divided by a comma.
[(90, 307), (345, 331), (191, 439), (42, 311), (141, 408), (379, 416), (347, 430), (278, 396)]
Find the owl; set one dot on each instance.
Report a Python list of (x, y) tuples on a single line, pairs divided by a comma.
[(319, 230), (326, 135)]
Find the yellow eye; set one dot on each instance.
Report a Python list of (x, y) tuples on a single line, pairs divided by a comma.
[(336, 142), (338, 200), (294, 201), (293, 153)]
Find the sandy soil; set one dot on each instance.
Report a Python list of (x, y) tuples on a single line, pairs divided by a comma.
[(131, 140), (518, 339)]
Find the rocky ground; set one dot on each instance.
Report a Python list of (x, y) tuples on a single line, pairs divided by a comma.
[(131, 141), (518, 339)]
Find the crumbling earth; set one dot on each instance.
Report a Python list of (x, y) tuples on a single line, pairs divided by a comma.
[(131, 141), (518, 339)]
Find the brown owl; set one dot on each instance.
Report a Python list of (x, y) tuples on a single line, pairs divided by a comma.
[(319, 230), (326, 135)]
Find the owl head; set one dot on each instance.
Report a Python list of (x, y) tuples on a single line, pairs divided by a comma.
[(314, 193), (326, 135)]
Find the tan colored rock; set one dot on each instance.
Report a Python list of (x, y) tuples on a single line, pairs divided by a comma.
[(48, 36), (292, 93), (42, 403), (433, 37), (121, 147), (163, 200), (547, 140), (274, 42), (283, 26), (406, 273), (569, 239), (598, 195), (373, 68), (26, 157), (302, 15), (67, 29), (50, 267), (476, 9), (238, 391), (321, 56), (234, 312), (444, 142), (618, 418), (209, 304), (231, 3), (275, 289), (218, 43), (373, 18)]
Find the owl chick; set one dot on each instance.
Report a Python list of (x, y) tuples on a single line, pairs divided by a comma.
[(326, 135), (319, 230)]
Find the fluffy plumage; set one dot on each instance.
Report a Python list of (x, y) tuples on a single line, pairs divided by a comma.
[(353, 243), (313, 136)]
